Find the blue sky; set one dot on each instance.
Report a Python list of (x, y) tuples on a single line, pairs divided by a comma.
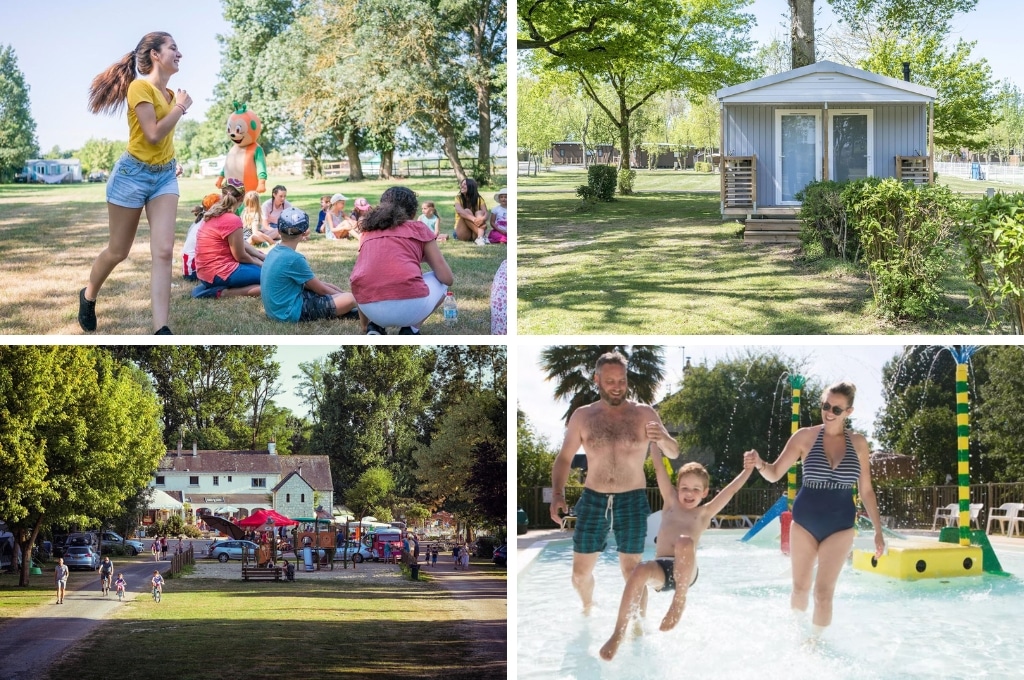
[(827, 363), (62, 44)]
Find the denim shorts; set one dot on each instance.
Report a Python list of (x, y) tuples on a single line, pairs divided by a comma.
[(245, 275), (133, 184), (316, 306), (406, 312)]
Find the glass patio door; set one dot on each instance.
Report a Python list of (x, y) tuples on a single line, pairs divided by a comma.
[(851, 146), (798, 139)]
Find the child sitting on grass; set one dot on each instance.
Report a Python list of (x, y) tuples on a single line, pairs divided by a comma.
[(683, 520), (289, 289)]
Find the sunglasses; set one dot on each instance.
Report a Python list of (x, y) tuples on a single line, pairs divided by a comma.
[(836, 410)]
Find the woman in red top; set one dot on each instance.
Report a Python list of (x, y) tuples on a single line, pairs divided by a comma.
[(387, 281), (226, 265)]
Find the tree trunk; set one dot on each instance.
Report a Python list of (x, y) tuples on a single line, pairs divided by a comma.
[(801, 32), (583, 139), (386, 159), (624, 142), (355, 166), (449, 141), (483, 158)]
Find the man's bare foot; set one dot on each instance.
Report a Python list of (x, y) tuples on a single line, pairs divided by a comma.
[(612, 646), (587, 607), (675, 612)]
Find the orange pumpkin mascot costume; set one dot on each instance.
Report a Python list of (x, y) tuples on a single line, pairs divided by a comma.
[(245, 160)]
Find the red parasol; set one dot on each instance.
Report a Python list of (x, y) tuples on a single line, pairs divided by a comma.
[(262, 517)]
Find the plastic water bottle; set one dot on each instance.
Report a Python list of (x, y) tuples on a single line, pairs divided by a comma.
[(451, 310)]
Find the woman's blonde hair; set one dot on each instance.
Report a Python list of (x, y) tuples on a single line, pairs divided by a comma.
[(252, 212)]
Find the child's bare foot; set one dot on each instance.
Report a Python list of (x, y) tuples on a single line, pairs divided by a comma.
[(675, 612), (638, 629), (612, 646)]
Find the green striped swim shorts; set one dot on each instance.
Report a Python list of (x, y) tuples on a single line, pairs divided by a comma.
[(623, 513)]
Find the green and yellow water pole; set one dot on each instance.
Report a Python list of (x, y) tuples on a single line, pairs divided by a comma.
[(963, 436), (796, 383)]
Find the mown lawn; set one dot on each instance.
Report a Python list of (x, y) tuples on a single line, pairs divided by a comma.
[(52, 234), (204, 628), (662, 262)]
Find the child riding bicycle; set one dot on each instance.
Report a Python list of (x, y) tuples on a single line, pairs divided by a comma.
[(158, 585), (120, 584)]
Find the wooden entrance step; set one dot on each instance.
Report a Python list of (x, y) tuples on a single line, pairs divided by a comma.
[(771, 230)]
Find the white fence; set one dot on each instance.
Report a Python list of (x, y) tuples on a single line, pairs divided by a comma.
[(989, 172)]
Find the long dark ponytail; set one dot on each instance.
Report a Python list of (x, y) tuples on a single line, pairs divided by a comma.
[(109, 90)]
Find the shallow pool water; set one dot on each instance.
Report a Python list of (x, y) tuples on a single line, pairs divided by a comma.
[(738, 623)]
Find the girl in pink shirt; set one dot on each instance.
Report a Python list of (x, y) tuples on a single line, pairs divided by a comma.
[(226, 264), (387, 281)]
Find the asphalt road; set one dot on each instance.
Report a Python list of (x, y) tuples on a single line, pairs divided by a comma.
[(29, 643)]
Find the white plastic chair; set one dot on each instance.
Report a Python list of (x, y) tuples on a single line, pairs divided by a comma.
[(947, 514), (975, 514), (1007, 515)]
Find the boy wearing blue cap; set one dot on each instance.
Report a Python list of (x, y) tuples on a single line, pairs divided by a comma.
[(289, 289)]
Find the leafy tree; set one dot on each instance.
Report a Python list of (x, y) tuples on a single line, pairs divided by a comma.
[(572, 369), (88, 441), (100, 154), (966, 100), (664, 45), (372, 399), (904, 16), (999, 423), (311, 385), (546, 24), (535, 457), (371, 494), (1007, 134), (17, 127), (210, 394), (919, 418), (735, 405)]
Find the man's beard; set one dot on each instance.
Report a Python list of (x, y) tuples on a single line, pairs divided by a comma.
[(609, 399)]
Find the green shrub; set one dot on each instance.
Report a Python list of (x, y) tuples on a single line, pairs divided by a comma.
[(626, 179), (823, 220), (993, 241), (600, 184), (907, 233), (703, 166)]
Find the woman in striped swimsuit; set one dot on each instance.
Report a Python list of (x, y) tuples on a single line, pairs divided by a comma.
[(834, 460)]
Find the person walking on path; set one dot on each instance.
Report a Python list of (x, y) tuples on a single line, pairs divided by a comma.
[(156, 549), (615, 434), (146, 175), (60, 577)]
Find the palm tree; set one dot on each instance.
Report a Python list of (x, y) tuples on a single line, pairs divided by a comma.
[(572, 368)]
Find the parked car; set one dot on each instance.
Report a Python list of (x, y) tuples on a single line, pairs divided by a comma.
[(81, 538), (82, 557), (230, 550), (97, 176), (357, 552), (500, 555), (111, 539)]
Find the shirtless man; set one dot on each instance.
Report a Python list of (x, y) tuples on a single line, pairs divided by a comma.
[(615, 433)]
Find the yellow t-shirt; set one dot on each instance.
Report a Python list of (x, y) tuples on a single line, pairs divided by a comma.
[(459, 219), (141, 90)]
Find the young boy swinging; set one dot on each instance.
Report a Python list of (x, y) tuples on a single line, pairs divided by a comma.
[(674, 568)]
